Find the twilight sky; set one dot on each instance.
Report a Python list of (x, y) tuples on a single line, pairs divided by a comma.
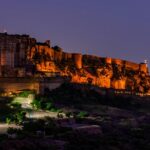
[(113, 28)]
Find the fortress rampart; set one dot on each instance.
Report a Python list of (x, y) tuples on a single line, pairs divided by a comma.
[(131, 65), (77, 58), (80, 60), (143, 67), (13, 50), (23, 56), (118, 62), (108, 60), (18, 84)]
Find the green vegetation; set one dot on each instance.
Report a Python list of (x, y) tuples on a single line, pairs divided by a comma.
[(16, 118), (16, 105), (36, 104), (118, 121), (82, 114), (8, 120), (44, 103), (25, 93), (49, 105)]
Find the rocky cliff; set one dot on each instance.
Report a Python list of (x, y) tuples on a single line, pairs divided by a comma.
[(103, 72)]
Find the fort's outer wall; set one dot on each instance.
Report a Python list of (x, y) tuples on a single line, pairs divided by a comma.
[(77, 58), (118, 62), (143, 68), (13, 49), (108, 60), (58, 56), (118, 84), (67, 56), (91, 60), (17, 84), (16, 87), (131, 65), (128, 65)]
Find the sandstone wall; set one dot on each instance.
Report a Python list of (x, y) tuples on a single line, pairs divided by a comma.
[(118, 84), (67, 56), (31, 53), (93, 68), (91, 60), (14, 87), (77, 58), (108, 60), (18, 84), (143, 68), (88, 68), (58, 55), (80, 60), (13, 49), (118, 62), (104, 82), (131, 65)]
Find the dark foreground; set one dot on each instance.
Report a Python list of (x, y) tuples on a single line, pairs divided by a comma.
[(91, 121)]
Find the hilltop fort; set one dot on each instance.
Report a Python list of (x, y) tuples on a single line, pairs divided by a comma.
[(22, 56)]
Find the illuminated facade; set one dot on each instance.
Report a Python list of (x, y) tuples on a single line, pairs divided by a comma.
[(23, 56), (13, 49)]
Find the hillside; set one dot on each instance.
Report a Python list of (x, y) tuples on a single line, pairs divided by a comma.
[(86, 120)]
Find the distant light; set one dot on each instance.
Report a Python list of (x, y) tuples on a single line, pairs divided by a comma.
[(145, 61)]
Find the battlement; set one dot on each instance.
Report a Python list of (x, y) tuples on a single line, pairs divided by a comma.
[(85, 60), (16, 38), (14, 49)]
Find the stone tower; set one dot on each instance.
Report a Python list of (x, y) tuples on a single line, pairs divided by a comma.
[(13, 49), (77, 58)]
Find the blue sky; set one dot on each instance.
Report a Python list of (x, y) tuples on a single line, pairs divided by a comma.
[(113, 28)]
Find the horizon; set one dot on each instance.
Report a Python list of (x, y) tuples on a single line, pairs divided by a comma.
[(103, 28)]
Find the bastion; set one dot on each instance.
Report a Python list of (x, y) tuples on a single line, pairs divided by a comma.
[(77, 58)]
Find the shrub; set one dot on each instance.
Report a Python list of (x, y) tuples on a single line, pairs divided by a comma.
[(16, 118), (54, 109), (16, 105), (20, 116), (25, 93), (8, 120), (48, 105), (36, 104), (82, 114)]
